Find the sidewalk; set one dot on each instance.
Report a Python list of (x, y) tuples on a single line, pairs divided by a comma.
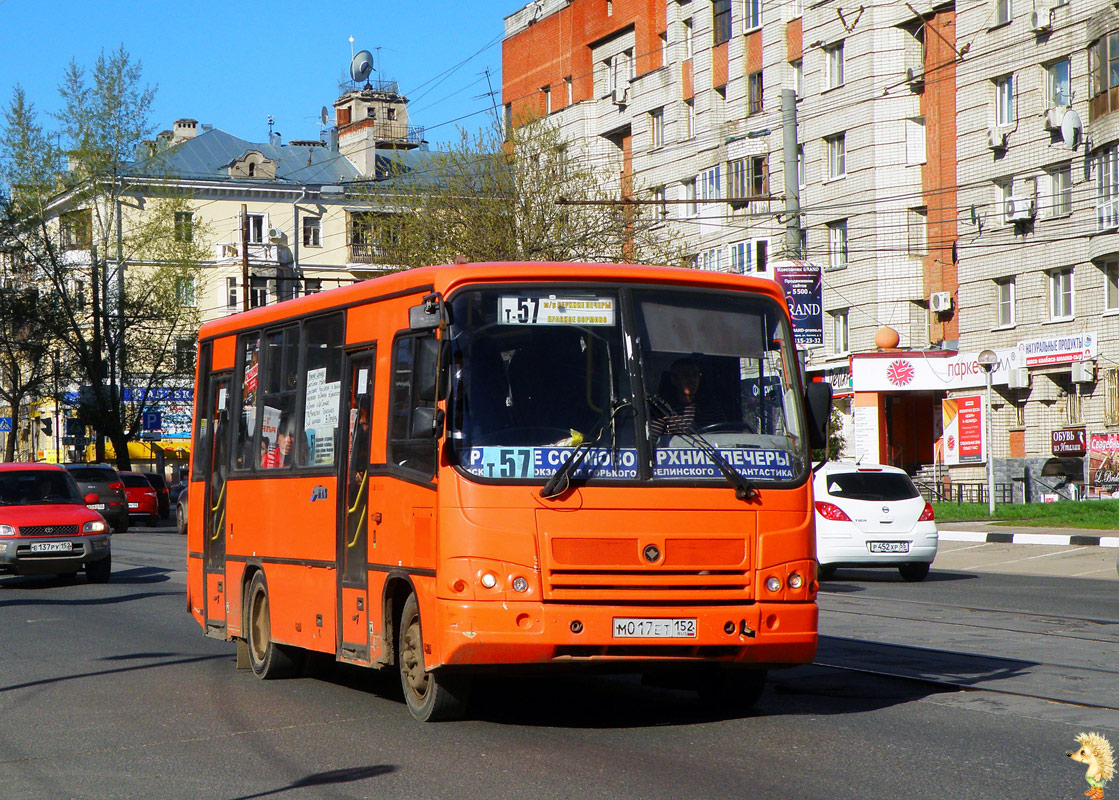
[(1021, 534)]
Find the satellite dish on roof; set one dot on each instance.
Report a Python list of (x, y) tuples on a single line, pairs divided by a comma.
[(361, 66), (1071, 128), (324, 116)]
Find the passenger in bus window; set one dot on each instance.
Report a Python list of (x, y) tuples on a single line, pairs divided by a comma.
[(679, 407), (281, 454)]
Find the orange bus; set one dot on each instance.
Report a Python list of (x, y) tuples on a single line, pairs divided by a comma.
[(478, 468)]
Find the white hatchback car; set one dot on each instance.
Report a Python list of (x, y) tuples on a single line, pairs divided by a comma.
[(870, 515)]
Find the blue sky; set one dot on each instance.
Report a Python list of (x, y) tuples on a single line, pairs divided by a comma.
[(232, 63)]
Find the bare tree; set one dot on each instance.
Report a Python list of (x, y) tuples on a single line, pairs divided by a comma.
[(527, 198)]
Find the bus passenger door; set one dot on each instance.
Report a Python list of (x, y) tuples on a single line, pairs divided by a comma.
[(354, 514), (213, 504)]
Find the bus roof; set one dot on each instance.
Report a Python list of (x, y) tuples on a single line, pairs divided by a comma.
[(449, 277)]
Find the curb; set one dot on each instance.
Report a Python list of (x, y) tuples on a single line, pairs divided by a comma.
[(1029, 538)]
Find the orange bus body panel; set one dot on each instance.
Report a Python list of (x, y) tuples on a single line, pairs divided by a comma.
[(578, 553)]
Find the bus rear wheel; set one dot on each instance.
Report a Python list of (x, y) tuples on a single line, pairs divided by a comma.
[(267, 658), (430, 696)]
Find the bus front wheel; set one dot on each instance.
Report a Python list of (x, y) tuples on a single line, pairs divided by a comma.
[(268, 659), (431, 696)]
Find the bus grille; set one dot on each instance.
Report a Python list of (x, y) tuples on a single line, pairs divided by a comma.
[(615, 570)]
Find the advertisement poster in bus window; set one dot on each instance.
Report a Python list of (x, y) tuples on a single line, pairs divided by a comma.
[(321, 417), (964, 442), (803, 287), (1103, 464)]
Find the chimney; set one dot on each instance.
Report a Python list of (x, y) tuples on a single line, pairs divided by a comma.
[(184, 129)]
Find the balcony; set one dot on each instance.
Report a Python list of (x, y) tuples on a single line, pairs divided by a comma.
[(365, 253)]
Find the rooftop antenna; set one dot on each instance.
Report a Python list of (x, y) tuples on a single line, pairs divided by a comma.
[(351, 47)]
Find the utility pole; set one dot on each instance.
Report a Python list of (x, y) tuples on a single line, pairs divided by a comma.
[(244, 257), (792, 173)]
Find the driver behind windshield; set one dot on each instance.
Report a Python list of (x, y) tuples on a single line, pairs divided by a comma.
[(679, 408)]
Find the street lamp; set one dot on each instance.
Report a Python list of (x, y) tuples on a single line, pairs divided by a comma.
[(988, 359)]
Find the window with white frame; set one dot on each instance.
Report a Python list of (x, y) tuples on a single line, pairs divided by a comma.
[(749, 255), (917, 230), (710, 259), (1004, 300), (1058, 83), (231, 300), (839, 331), (833, 65), (184, 291), (1004, 11), (1060, 294), (663, 38), (690, 207), (312, 285), (312, 231), (184, 226), (568, 88), (1110, 270), (837, 244), (1057, 186), (1107, 188), (797, 8), (915, 140), (797, 68), (258, 292), (687, 38), (660, 207), (689, 108), (837, 155), (256, 228), (800, 166), (547, 91), (752, 13), (656, 127), (1004, 100), (1111, 396), (1004, 190), (709, 184)]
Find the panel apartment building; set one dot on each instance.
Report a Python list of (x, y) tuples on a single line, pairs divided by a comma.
[(680, 100)]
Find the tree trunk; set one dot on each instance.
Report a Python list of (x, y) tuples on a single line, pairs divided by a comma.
[(120, 445)]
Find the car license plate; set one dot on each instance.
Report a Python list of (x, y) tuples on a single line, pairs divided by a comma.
[(133, 505), (654, 628), (51, 547), (888, 547), (96, 506)]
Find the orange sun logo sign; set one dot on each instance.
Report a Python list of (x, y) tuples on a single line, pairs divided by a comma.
[(900, 372)]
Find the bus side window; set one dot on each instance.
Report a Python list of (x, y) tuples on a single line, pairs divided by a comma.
[(277, 420), (404, 450), (249, 369), (317, 438)]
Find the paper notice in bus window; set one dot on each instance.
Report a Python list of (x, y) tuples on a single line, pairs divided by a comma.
[(555, 311), (321, 401)]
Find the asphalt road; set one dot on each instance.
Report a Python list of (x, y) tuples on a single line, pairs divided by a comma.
[(111, 691)]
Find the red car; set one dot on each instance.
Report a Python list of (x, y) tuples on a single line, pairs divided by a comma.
[(141, 495), (45, 526)]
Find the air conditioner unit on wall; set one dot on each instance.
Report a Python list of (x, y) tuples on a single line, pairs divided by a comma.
[(996, 139), (620, 95), (1019, 209), (275, 235), (1083, 371), (1041, 20), (1054, 117), (940, 302), (1018, 378), (915, 76)]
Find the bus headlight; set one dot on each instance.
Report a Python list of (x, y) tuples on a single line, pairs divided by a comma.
[(520, 584), (773, 583), (488, 580), (795, 581)]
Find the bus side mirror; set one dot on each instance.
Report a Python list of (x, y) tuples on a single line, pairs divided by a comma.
[(427, 370), (817, 404), (427, 422), (426, 315)]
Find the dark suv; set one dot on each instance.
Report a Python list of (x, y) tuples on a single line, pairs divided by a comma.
[(103, 481)]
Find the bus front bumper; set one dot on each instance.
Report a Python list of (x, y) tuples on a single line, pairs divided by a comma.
[(762, 634)]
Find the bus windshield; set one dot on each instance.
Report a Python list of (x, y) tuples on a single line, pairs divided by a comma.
[(654, 384)]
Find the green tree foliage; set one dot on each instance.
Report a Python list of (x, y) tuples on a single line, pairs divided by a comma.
[(94, 232), (528, 198)]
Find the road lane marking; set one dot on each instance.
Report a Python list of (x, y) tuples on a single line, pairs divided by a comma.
[(1027, 558)]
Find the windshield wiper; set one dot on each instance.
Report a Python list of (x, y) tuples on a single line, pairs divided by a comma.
[(560, 480), (743, 488)]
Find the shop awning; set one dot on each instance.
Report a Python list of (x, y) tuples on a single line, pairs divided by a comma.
[(145, 451)]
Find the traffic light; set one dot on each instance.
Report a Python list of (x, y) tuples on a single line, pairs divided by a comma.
[(48, 425)]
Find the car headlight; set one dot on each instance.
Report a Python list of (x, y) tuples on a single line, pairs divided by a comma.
[(95, 526), (9, 530)]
